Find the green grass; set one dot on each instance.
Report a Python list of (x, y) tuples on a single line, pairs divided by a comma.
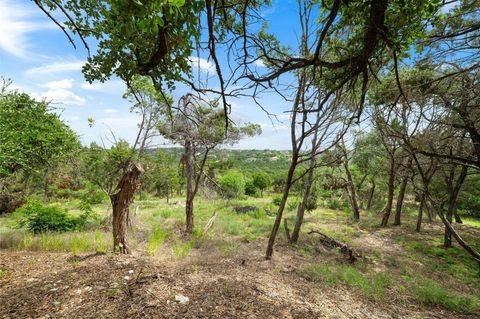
[(471, 221), (227, 247), (181, 250), (372, 286), (432, 293), (156, 240), (3, 272)]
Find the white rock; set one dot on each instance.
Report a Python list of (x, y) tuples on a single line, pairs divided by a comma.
[(181, 299)]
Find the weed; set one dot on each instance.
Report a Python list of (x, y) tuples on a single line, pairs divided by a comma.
[(181, 250), (156, 240), (227, 247), (321, 273), (431, 293), (3, 272)]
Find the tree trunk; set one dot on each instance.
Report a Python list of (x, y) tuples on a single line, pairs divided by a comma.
[(360, 193), (458, 219), (189, 172), (301, 207), (401, 195), (278, 219), (420, 213), (391, 188), (370, 196), (452, 204), (121, 206), (45, 186), (351, 192)]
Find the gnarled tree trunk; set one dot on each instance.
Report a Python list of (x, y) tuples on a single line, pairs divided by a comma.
[(121, 206)]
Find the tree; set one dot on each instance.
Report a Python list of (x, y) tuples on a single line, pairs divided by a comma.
[(261, 181), (117, 171), (33, 138), (199, 127), (233, 183)]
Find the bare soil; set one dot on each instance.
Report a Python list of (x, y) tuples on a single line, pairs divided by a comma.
[(59, 285)]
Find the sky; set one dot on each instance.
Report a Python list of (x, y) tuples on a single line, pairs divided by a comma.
[(37, 57)]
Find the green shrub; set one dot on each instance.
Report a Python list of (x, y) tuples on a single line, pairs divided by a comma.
[(233, 183), (431, 293), (251, 189), (276, 200), (93, 195), (40, 218)]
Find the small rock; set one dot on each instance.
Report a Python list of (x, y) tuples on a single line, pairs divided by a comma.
[(126, 278), (56, 303), (130, 271), (79, 291), (181, 299)]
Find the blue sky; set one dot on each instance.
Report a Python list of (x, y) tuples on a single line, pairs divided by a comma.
[(36, 55)]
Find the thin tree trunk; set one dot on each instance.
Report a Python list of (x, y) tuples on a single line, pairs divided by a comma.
[(359, 191), (278, 219), (301, 207), (420, 213), (370, 196), (121, 206), (351, 192), (391, 187), (45, 186), (452, 203), (458, 219), (189, 174), (401, 196)]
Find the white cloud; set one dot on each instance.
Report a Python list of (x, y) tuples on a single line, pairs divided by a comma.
[(58, 85), (109, 111), (202, 63), (62, 96), (59, 92), (111, 87), (16, 22), (259, 63), (56, 67)]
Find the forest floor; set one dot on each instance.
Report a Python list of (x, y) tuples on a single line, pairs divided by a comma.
[(401, 274)]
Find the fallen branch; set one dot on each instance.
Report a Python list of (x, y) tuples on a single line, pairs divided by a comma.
[(330, 242), (76, 258), (209, 223)]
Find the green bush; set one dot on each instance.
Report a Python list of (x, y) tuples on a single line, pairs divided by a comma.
[(277, 200), (233, 183), (93, 195), (40, 218), (250, 189), (46, 218), (470, 205)]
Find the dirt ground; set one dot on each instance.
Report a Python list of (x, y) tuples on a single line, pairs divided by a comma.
[(60, 285)]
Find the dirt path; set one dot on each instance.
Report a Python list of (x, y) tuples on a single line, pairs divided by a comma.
[(55, 285)]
